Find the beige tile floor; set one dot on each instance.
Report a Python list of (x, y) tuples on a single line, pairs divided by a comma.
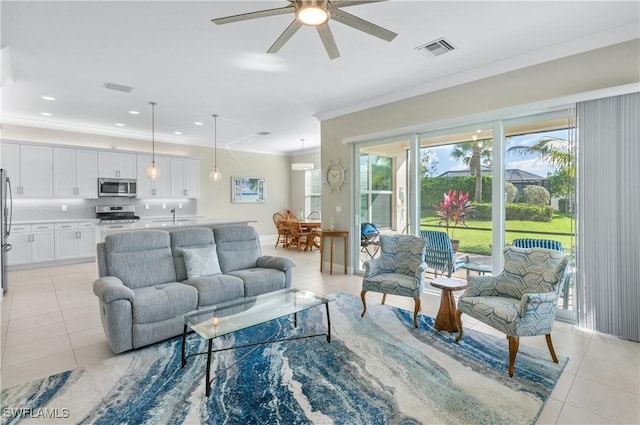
[(50, 323)]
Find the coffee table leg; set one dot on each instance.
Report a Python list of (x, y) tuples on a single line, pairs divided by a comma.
[(207, 383), (184, 343), (328, 324), (295, 320)]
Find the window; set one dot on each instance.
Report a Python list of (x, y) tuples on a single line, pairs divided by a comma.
[(312, 191), (376, 189)]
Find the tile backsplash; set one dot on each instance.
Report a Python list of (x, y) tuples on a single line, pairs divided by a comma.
[(52, 209)]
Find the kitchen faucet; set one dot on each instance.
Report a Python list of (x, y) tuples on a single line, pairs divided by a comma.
[(173, 211)]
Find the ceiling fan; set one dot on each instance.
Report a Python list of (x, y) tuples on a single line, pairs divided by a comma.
[(316, 13)]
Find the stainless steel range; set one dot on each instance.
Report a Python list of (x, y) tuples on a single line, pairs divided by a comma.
[(117, 214)]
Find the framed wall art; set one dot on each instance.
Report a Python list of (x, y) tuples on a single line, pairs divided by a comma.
[(248, 190)]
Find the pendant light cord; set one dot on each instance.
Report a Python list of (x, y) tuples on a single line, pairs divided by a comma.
[(215, 141), (153, 134)]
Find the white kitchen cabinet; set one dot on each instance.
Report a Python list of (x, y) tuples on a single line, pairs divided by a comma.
[(30, 169), (117, 165), (32, 243), (74, 240), (185, 177), (75, 173), (159, 188)]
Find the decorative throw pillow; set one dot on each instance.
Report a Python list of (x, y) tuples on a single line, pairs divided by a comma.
[(201, 262)]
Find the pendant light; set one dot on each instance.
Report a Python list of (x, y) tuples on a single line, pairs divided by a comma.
[(152, 171), (302, 166), (215, 175)]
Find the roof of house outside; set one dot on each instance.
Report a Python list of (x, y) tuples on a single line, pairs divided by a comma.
[(513, 175)]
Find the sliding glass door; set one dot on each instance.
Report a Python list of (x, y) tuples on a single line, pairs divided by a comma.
[(533, 178), (382, 169)]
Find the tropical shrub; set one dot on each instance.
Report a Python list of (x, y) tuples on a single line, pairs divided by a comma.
[(528, 212), (536, 195)]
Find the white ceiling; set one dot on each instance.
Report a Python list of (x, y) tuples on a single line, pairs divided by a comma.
[(171, 53)]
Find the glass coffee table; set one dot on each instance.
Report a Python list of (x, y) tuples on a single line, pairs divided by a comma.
[(212, 322)]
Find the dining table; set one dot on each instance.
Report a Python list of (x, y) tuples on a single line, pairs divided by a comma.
[(313, 226)]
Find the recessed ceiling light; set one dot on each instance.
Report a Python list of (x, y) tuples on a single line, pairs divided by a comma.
[(119, 124), (177, 132), (197, 123), (46, 114), (134, 112), (48, 98)]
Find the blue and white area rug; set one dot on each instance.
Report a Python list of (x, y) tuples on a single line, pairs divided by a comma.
[(376, 370)]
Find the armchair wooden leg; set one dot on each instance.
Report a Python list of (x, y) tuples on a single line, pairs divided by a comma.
[(415, 311), (514, 342), (459, 324), (384, 298), (364, 303), (551, 350)]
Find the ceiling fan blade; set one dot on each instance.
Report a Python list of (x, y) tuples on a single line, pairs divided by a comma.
[(346, 3), (285, 36), (362, 25), (327, 39), (254, 15)]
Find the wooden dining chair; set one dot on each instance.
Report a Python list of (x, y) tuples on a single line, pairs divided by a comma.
[(299, 237), (279, 219)]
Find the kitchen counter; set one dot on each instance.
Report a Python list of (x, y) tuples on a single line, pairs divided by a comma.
[(166, 224)]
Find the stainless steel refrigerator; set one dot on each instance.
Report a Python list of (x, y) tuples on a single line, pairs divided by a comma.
[(6, 212)]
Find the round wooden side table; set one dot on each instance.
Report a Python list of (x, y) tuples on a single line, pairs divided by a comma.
[(446, 318)]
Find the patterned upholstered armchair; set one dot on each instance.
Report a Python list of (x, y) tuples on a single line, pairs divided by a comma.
[(439, 253), (521, 301), (399, 270)]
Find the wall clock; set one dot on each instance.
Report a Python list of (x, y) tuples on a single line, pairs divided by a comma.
[(335, 176)]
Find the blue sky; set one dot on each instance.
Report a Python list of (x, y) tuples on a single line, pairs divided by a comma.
[(531, 164)]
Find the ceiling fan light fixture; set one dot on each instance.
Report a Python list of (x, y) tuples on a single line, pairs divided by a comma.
[(313, 12)]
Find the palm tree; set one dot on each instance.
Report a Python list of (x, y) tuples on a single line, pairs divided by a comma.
[(552, 150), (555, 152), (473, 154)]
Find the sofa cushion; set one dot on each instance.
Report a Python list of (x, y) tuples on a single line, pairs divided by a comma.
[(165, 301), (238, 247), (260, 281), (193, 237), (216, 289), (201, 262), (140, 258)]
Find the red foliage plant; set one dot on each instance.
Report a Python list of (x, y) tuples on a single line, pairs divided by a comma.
[(454, 209)]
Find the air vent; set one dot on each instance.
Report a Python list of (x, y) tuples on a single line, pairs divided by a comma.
[(117, 87), (436, 48)]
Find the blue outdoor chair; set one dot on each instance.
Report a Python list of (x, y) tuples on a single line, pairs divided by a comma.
[(369, 239), (556, 246), (439, 253), (538, 243)]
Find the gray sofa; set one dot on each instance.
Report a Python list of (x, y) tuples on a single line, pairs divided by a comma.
[(145, 283)]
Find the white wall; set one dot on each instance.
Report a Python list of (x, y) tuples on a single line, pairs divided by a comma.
[(597, 69), (215, 198)]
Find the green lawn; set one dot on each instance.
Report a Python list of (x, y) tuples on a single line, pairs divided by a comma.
[(479, 241)]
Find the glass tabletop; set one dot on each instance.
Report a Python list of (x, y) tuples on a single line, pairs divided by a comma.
[(478, 267), (215, 321)]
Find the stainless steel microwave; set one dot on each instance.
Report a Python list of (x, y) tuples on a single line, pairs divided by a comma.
[(117, 187)]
